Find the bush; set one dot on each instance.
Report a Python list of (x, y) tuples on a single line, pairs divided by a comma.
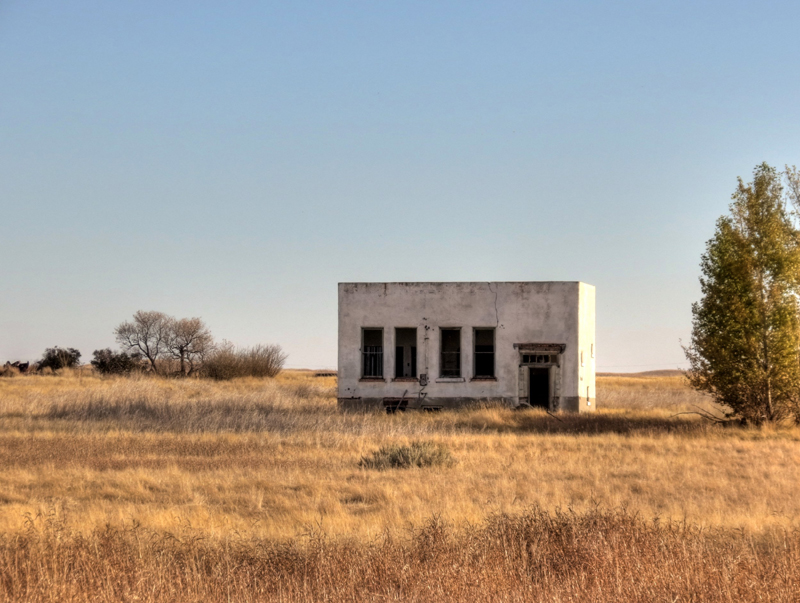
[(227, 362), (109, 362), (9, 371), (418, 454), (58, 358)]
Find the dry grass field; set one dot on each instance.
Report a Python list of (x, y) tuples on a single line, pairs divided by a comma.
[(154, 489)]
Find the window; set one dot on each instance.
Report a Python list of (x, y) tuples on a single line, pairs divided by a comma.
[(405, 353), (537, 358), (372, 353), (451, 353), (484, 352)]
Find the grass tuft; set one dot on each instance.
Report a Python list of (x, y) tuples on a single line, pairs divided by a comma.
[(417, 454)]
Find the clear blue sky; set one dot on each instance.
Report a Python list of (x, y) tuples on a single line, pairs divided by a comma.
[(235, 160)]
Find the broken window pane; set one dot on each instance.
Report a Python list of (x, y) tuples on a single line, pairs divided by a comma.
[(451, 353), (484, 352), (372, 352)]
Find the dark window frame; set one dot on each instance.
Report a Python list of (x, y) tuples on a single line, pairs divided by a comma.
[(476, 352), (371, 356), (446, 357)]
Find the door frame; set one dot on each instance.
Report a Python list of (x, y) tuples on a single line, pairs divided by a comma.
[(539, 355)]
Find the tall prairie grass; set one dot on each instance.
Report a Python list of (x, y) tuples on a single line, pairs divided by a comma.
[(532, 556), (651, 392), (146, 489)]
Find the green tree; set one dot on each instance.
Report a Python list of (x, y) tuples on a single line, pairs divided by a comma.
[(109, 362), (58, 358), (745, 347)]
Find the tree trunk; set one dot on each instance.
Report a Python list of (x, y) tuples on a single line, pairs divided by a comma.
[(770, 413)]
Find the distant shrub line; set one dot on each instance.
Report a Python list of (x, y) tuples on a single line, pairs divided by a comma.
[(160, 344)]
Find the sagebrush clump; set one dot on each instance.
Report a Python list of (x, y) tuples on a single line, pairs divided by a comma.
[(417, 454)]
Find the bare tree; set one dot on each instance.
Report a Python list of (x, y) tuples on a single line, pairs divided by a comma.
[(148, 333), (166, 341), (189, 341)]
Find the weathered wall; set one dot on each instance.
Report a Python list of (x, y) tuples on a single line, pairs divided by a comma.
[(521, 312), (585, 400)]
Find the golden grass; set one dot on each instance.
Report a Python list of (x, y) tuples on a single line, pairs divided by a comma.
[(651, 392), (532, 556), (273, 458), (153, 489)]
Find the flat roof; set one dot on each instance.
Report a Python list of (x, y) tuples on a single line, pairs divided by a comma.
[(461, 282)]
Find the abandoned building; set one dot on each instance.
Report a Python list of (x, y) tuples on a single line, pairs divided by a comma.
[(441, 345)]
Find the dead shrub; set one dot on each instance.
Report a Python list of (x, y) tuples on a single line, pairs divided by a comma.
[(229, 362), (417, 454)]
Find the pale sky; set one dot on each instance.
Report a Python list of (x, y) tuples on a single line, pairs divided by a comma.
[(235, 160)]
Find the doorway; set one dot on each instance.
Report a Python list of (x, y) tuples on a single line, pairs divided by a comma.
[(405, 354), (539, 385)]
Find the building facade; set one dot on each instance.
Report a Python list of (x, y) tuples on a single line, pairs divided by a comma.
[(440, 345)]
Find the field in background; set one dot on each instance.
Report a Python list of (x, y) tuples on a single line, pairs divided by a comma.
[(276, 458), (272, 464), (653, 390)]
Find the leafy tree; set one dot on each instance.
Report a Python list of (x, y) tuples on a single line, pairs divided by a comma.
[(745, 346), (57, 358), (109, 362), (793, 186)]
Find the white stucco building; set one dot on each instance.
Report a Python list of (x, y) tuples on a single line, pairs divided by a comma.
[(435, 345)]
